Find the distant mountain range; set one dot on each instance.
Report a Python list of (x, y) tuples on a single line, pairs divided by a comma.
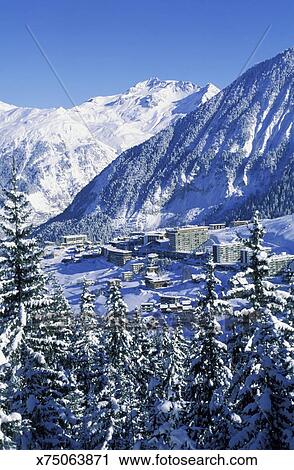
[(58, 151), (233, 154)]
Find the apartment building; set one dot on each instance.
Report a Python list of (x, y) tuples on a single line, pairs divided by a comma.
[(154, 236), (227, 253), (116, 255), (239, 223), (278, 264), (219, 226), (187, 239), (127, 276), (78, 239)]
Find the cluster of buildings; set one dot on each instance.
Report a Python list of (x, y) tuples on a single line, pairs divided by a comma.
[(227, 254), (179, 243)]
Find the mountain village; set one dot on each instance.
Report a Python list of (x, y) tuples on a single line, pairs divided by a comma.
[(163, 263)]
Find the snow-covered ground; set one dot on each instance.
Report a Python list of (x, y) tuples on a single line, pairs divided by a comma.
[(279, 234), (100, 271)]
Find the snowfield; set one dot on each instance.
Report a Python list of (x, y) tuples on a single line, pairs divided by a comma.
[(58, 151)]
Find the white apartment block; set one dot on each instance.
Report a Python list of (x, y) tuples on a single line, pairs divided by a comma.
[(227, 253), (187, 239)]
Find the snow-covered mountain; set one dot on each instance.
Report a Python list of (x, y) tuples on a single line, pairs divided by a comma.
[(234, 153), (58, 151)]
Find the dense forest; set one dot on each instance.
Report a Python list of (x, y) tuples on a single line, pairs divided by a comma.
[(127, 381)]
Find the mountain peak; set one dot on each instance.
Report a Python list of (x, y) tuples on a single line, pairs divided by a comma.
[(156, 84), (6, 106), (231, 155), (61, 150)]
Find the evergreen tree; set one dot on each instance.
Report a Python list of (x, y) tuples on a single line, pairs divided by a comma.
[(44, 379), (209, 375), (21, 292), (289, 317), (21, 275), (168, 406), (88, 358), (255, 291), (144, 356), (260, 389), (117, 409), (9, 426), (251, 285), (265, 401)]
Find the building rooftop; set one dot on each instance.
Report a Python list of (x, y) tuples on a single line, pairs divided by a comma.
[(187, 228), (116, 250), (155, 232)]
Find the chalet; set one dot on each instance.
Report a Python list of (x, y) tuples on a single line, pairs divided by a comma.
[(152, 258), (137, 267), (151, 270)]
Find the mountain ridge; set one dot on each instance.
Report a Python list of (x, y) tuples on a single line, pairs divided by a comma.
[(209, 164), (58, 151)]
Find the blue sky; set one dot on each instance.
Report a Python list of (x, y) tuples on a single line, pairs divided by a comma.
[(102, 47)]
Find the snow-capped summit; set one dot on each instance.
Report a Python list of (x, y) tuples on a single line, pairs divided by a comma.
[(58, 151), (233, 154), (142, 111)]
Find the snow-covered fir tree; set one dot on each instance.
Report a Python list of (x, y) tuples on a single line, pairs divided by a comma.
[(117, 407), (260, 389), (87, 358), (253, 291), (143, 364), (9, 426), (44, 378), (251, 285), (166, 416), (289, 308), (33, 334), (11, 341), (21, 291), (264, 401), (209, 375), (21, 276)]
